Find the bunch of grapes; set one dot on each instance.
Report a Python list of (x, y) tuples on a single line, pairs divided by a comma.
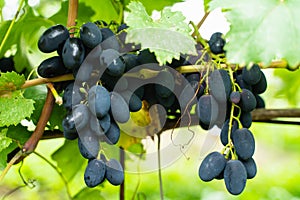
[(230, 98)]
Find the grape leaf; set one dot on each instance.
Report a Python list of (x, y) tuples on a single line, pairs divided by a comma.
[(151, 5), (68, 159), (261, 31), (167, 37), (4, 140), (18, 133), (15, 109), (4, 153), (11, 81)]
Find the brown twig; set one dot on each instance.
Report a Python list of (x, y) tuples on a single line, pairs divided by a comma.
[(72, 14), (39, 81), (201, 22)]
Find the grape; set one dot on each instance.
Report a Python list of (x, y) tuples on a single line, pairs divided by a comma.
[(139, 92), (113, 134), (7, 64), (130, 61), (212, 166), (73, 53), (52, 67), (94, 173), (216, 43), (71, 96), (81, 116), (112, 60), (235, 176), (68, 125), (99, 100), (248, 101), (242, 83), (193, 77), (260, 103), (166, 102), (114, 172), (109, 40), (122, 27), (244, 143), (246, 119), (53, 38), (133, 101), (119, 108), (95, 126), (194, 60), (145, 56), (110, 82), (88, 144), (220, 85), (186, 96), (207, 109), (150, 95), (250, 166), (225, 129), (90, 35), (261, 86), (165, 84), (104, 122), (251, 76), (235, 97)]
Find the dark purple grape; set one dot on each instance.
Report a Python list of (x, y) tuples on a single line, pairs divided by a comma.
[(68, 125), (207, 109), (119, 108), (94, 173), (113, 134), (225, 129), (251, 76), (53, 38), (244, 143), (7, 64), (73, 53), (235, 97), (216, 43), (235, 177), (220, 85), (109, 40), (113, 62), (246, 119), (99, 100), (261, 86), (90, 35), (114, 172), (250, 166), (52, 67), (248, 101)]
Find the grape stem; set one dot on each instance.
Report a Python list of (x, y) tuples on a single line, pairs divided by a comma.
[(40, 81), (200, 23), (72, 14), (11, 25)]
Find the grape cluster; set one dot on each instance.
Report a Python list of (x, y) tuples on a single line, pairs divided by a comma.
[(7, 64), (232, 95)]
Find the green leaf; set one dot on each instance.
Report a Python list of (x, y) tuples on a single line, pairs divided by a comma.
[(206, 5), (261, 30), (18, 133), (38, 94), (4, 153), (167, 37), (12, 40), (4, 140), (68, 159), (11, 81), (13, 110), (90, 194), (48, 8), (151, 5)]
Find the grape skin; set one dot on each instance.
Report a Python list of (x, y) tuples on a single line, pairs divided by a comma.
[(90, 35), (99, 100), (212, 166), (248, 101), (251, 168), (207, 109), (244, 143), (261, 86), (235, 177), (113, 62), (113, 134), (94, 173), (251, 76), (165, 84), (88, 144), (73, 53), (114, 172), (81, 116), (52, 67), (220, 85), (119, 108)]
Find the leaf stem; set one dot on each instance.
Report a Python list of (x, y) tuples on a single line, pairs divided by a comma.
[(39, 81), (159, 168), (200, 23), (11, 25)]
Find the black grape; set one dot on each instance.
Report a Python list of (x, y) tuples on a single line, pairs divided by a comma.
[(216, 43), (94, 173), (113, 62), (261, 86), (110, 82), (88, 144), (165, 84), (260, 103), (73, 53), (166, 102), (95, 126), (90, 35), (53, 38), (220, 85), (109, 40), (104, 122), (130, 61), (122, 27), (114, 172), (251, 76), (235, 176), (113, 134), (99, 100), (246, 119), (235, 97), (71, 96), (7, 64), (119, 108), (242, 83), (212, 166), (225, 129), (68, 125), (248, 101), (133, 101), (52, 67), (186, 96), (81, 116), (244, 143), (251, 168), (207, 109)]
